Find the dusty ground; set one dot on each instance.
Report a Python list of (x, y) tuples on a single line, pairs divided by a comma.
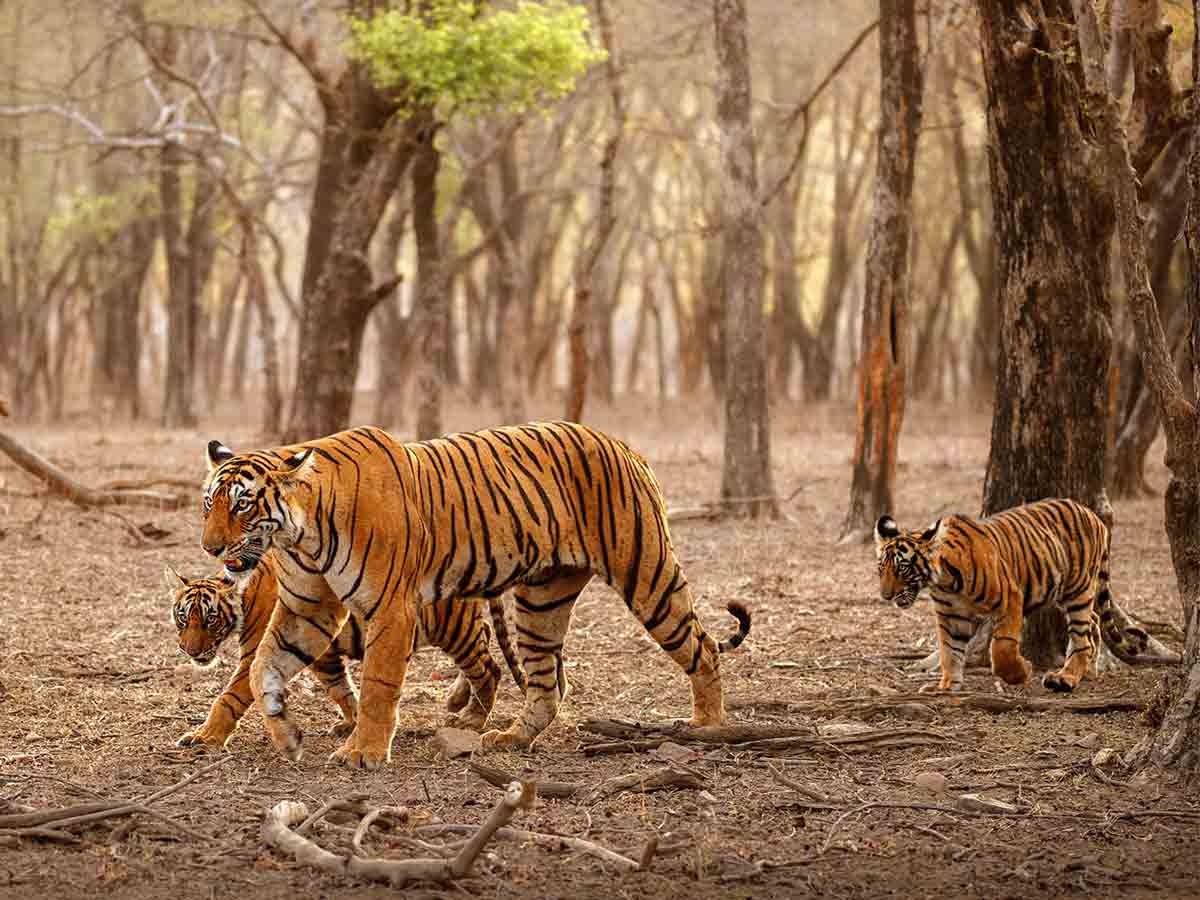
[(91, 703)]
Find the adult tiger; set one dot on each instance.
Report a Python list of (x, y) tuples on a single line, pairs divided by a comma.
[(206, 611), (1004, 567), (360, 521)]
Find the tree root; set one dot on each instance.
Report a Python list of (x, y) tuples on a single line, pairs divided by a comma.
[(276, 831)]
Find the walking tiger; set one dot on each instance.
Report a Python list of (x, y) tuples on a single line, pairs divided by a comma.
[(1004, 567), (361, 522)]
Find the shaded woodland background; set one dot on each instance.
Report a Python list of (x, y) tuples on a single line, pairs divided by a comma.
[(135, 144)]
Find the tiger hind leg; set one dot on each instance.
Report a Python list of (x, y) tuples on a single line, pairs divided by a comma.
[(666, 612), (330, 670), (458, 628), (1081, 649), (543, 614)]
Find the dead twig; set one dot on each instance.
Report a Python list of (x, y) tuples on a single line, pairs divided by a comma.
[(802, 789), (641, 782), (34, 824), (755, 737), (399, 813), (980, 700), (276, 832), (552, 841), (355, 803), (60, 483)]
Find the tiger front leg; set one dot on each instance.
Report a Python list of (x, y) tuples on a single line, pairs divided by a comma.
[(389, 645), (216, 730), (955, 631), (291, 643), (1007, 662), (1081, 647)]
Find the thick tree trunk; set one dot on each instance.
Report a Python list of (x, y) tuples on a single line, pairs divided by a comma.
[(364, 153), (181, 315), (1053, 222), (1176, 744), (747, 487), (883, 364)]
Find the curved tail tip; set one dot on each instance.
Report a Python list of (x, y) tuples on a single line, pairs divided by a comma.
[(739, 612)]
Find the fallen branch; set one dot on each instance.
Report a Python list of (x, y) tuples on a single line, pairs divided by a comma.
[(802, 789), (36, 824), (276, 832), (552, 841), (981, 701), (59, 483), (641, 782), (637, 737)]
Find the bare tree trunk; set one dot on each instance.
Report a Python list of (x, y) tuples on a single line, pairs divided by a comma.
[(1176, 745), (431, 304), (365, 150), (883, 364), (1048, 425), (747, 487), (606, 220)]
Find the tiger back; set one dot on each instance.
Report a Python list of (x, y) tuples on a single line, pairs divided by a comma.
[(206, 611), (360, 521), (1003, 568)]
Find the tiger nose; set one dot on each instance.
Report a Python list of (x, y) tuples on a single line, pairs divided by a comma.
[(212, 548)]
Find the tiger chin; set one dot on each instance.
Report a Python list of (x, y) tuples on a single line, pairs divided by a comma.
[(360, 522), (1003, 568), (206, 611)]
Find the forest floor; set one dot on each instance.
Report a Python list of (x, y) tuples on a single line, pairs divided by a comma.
[(93, 696)]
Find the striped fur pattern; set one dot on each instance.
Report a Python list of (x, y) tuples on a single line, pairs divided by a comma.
[(1003, 568), (206, 611), (361, 522)]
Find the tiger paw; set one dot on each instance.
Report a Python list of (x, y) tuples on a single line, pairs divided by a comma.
[(1059, 681), (357, 758), (203, 737), (342, 729), (509, 739), (459, 696)]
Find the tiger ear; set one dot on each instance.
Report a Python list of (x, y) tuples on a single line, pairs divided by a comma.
[(935, 533), (173, 579), (298, 465), (217, 454), (885, 530)]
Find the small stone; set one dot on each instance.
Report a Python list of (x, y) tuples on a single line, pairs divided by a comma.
[(934, 782), (707, 797), (452, 742), (1089, 741), (1103, 757), (979, 803), (671, 752)]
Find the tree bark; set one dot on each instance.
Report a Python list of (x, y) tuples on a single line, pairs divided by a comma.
[(606, 220), (365, 150), (1176, 744), (431, 304), (747, 487), (883, 364), (1053, 222)]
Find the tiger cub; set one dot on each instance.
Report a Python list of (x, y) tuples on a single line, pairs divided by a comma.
[(1004, 567), (206, 611)]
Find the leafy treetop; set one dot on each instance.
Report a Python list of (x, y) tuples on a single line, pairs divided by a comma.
[(460, 56)]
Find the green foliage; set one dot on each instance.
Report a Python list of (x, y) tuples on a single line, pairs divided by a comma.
[(84, 214), (464, 57)]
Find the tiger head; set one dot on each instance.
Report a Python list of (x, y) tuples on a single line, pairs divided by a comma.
[(250, 504), (205, 612), (906, 560)]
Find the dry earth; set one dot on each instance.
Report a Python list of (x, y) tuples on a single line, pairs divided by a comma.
[(92, 698)]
